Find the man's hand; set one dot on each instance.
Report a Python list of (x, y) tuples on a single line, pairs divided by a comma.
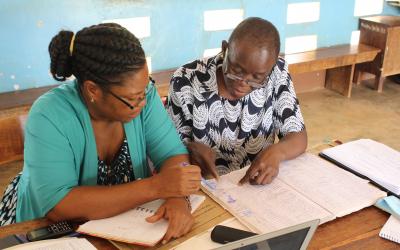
[(178, 214), (178, 181), (264, 168), (203, 156)]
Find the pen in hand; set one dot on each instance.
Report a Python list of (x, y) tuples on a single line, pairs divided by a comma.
[(215, 175)]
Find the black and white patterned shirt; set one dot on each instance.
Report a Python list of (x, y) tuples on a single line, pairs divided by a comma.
[(237, 130)]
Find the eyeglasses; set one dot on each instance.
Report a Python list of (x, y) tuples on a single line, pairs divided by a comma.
[(147, 90), (234, 77)]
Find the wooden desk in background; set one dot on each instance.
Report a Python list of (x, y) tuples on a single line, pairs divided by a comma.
[(382, 32)]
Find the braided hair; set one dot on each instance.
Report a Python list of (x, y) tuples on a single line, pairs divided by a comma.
[(100, 53)]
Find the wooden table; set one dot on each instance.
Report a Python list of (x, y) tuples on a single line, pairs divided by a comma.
[(355, 231), (358, 230)]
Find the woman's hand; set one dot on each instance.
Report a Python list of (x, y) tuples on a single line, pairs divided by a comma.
[(178, 214), (203, 156), (265, 167), (178, 181)]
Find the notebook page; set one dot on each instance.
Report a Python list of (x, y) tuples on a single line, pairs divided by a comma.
[(375, 160), (391, 230), (132, 227), (337, 190), (264, 208), (59, 244)]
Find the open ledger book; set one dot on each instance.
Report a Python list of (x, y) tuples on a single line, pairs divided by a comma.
[(132, 227), (306, 188), (368, 159)]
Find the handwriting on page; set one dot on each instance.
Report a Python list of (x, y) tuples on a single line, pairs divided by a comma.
[(333, 188), (132, 227), (375, 160), (265, 208)]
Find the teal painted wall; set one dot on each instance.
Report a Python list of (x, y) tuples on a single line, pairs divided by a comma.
[(177, 34)]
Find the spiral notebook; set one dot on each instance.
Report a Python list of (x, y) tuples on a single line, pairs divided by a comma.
[(391, 230), (132, 227)]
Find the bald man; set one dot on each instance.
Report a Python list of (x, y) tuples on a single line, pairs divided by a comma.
[(229, 108)]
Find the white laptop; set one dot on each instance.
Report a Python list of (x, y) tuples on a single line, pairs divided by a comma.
[(291, 238)]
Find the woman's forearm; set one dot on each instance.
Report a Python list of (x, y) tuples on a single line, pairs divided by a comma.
[(95, 202)]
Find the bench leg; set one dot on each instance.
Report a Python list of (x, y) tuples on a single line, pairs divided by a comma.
[(379, 82), (340, 79)]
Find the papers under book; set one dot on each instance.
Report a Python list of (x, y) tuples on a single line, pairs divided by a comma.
[(368, 159), (59, 244), (306, 188), (132, 227)]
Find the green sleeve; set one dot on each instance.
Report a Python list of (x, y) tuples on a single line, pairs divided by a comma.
[(162, 140), (49, 162)]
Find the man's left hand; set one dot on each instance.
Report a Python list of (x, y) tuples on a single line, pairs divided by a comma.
[(265, 167)]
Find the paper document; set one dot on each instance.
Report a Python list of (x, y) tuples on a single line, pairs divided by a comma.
[(306, 188), (372, 159), (59, 244), (337, 190), (264, 208)]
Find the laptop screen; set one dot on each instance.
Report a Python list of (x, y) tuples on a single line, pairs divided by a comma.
[(292, 238)]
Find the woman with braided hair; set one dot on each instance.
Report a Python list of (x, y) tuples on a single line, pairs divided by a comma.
[(87, 142)]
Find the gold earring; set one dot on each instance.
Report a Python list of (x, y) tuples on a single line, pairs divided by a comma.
[(91, 99)]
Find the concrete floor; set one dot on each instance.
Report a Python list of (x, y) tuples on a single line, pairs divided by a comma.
[(367, 114), (329, 116)]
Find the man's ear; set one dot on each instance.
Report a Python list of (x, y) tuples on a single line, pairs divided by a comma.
[(224, 46), (92, 90)]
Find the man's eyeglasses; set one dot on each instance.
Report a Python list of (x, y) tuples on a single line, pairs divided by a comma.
[(137, 101), (233, 77)]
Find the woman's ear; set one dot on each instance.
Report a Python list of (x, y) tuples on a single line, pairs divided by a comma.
[(92, 90)]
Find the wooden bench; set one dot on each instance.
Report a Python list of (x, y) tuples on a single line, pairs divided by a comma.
[(12, 138), (338, 61)]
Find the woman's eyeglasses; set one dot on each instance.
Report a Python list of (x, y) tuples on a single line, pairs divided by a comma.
[(137, 101), (233, 77)]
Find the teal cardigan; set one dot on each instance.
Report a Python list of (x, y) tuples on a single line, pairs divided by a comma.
[(60, 149)]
